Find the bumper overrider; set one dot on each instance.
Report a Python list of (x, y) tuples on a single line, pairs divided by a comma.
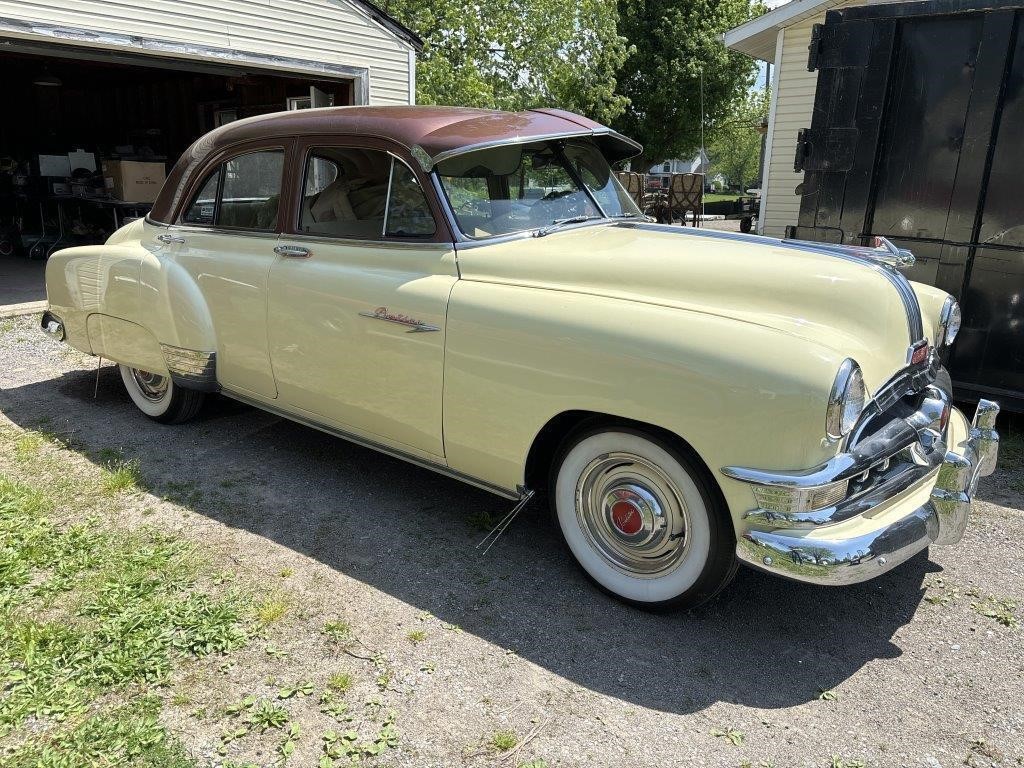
[(906, 486)]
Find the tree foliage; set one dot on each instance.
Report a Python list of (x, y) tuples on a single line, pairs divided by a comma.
[(734, 142), (675, 41), (517, 54)]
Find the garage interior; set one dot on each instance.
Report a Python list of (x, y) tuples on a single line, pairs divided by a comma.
[(101, 106)]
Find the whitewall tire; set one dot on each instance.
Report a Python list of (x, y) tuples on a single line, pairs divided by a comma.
[(158, 397), (641, 519)]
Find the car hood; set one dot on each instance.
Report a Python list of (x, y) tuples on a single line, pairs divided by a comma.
[(852, 306)]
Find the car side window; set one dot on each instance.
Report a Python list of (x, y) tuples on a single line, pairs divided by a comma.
[(251, 192), (204, 205), (242, 193), (364, 194)]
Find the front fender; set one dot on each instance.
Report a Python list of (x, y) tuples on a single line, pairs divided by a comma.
[(737, 392)]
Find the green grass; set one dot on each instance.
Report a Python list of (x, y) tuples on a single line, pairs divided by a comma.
[(416, 636), (340, 682), (272, 610), (502, 741), (122, 477), (92, 620), (713, 197)]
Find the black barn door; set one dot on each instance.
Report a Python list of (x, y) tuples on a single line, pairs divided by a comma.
[(915, 136)]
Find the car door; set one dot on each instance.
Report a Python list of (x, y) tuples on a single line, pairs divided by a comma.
[(225, 240), (358, 298)]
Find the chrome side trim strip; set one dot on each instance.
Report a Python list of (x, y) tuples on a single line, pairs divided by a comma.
[(898, 281), (515, 495)]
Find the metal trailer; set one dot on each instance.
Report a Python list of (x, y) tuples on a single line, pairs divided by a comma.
[(917, 135)]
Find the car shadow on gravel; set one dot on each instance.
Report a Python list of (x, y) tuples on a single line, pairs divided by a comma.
[(411, 533)]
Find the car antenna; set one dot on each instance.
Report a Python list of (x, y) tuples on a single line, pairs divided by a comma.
[(504, 523)]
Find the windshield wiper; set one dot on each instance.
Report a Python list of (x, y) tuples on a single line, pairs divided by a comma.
[(558, 223)]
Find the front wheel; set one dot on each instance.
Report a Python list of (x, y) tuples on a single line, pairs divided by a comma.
[(159, 398), (641, 520)]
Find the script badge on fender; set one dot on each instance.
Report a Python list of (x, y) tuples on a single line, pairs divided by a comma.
[(414, 325)]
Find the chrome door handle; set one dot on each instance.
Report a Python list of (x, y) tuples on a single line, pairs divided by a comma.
[(292, 251), (170, 239)]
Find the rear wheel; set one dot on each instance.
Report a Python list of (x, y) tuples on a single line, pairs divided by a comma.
[(641, 520), (158, 397)]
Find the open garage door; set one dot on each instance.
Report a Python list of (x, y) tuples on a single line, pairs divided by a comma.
[(77, 117)]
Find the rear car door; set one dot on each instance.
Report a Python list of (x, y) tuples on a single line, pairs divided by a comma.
[(225, 239), (358, 298)]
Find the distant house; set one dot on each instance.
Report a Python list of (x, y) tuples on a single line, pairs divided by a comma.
[(658, 175)]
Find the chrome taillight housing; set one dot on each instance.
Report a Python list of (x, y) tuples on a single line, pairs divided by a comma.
[(846, 401)]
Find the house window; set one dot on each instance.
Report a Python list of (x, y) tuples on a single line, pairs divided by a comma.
[(667, 167)]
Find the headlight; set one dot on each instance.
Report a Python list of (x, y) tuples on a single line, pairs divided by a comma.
[(846, 402), (949, 323)]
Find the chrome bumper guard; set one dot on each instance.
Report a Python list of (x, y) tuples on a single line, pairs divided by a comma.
[(895, 462)]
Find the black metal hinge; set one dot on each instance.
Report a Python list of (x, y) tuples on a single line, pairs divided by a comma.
[(832, 149)]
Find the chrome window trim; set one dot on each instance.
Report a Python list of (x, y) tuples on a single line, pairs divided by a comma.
[(432, 245), (440, 157), (383, 240), (211, 230), (387, 199)]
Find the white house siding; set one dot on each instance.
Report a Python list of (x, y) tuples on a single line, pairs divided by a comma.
[(332, 32), (793, 109)]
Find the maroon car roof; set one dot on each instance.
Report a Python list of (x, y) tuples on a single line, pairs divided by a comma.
[(431, 134)]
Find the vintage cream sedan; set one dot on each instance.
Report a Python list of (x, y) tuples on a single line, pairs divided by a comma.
[(474, 292)]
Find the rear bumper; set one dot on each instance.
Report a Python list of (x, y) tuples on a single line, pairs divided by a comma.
[(911, 508)]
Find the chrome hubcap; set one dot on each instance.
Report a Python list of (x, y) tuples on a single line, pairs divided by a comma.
[(152, 386), (632, 514)]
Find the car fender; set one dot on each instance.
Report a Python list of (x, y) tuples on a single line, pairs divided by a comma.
[(738, 393)]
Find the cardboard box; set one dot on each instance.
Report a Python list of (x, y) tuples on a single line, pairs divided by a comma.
[(133, 181)]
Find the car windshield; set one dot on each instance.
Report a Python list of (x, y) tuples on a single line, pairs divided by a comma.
[(522, 187)]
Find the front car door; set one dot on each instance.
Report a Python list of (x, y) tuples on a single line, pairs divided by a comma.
[(225, 240), (358, 298)]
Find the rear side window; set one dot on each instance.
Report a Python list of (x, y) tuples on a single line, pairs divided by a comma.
[(363, 194), (242, 193)]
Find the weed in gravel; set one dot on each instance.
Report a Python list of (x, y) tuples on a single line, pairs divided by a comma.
[(301, 688), (1002, 609), (122, 476), (291, 735), (826, 694), (272, 610), (540, 762), (350, 748), (274, 652), (502, 741), (266, 715), (842, 762), (332, 706), (286, 573), (338, 630), (416, 636), (733, 736), (340, 682), (27, 446)]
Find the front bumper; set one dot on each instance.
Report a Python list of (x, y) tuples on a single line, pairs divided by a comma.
[(923, 483)]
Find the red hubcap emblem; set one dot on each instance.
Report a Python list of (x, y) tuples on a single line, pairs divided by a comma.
[(626, 518)]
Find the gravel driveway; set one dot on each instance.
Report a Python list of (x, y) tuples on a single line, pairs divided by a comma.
[(912, 673)]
